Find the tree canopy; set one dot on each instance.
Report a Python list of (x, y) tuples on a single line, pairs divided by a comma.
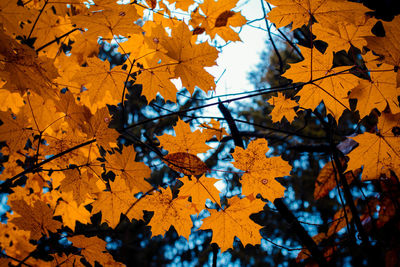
[(107, 159)]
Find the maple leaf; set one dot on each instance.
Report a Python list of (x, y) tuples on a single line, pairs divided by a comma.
[(93, 249), (378, 153), (14, 130), (339, 220), (98, 128), (104, 86), (119, 199), (38, 219), (283, 107), (234, 221), (326, 180), (11, 14), (213, 129), (75, 114), (48, 27), (22, 69), (184, 140), (80, 184), (134, 173), (109, 20), (71, 212), (15, 242), (186, 163), (41, 114), (342, 36), (325, 12), (169, 212), (83, 48), (218, 19), (260, 171), (157, 80), (377, 93), (331, 86), (190, 59), (200, 189), (388, 46), (10, 100)]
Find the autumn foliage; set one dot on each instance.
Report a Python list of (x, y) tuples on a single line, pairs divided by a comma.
[(64, 164)]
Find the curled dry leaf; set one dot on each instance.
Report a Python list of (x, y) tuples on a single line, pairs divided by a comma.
[(186, 163)]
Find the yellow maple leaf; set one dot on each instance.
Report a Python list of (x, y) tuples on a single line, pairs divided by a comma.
[(169, 212), (379, 153), (388, 46), (15, 131), (218, 19), (200, 189), (234, 221), (104, 86), (115, 202), (260, 171), (134, 173), (325, 12), (71, 212), (379, 92), (213, 129), (93, 249), (342, 35), (283, 107), (36, 218), (190, 59), (80, 184), (98, 128), (332, 86), (184, 140), (109, 20), (23, 70)]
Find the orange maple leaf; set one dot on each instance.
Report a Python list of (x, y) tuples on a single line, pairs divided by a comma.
[(118, 200), (234, 221), (260, 171), (333, 84), (326, 180), (379, 153), (134, 173), (38, 218), (169, 211), (104, 86), (342, 36), (326, 12), (388, 46), (213, 129), (200, 189), (218, 19), (15, 131), (71, 212), (190, 59), (93, 249), (379, 92), (184, 140), (109, 20), (283, 107)]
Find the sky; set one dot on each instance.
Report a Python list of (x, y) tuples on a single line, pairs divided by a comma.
[(239, 58)]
